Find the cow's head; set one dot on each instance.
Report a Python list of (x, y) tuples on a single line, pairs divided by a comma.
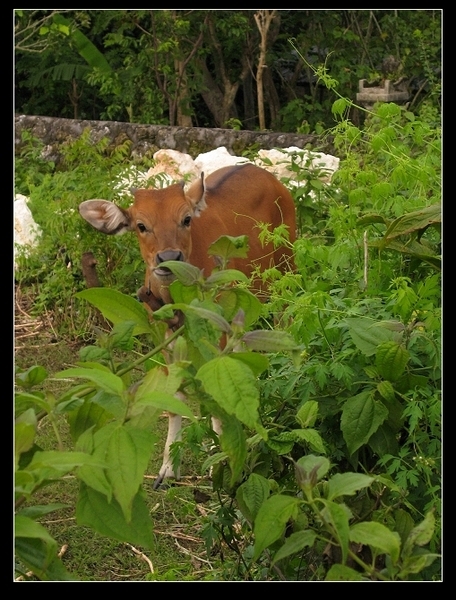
[(162, 221)]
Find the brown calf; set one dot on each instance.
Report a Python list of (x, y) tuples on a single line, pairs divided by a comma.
[(173, 225)]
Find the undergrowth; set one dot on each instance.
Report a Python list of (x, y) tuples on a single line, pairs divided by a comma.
[(334, 471)]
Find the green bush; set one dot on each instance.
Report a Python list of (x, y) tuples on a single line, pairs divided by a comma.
[(330, 459)]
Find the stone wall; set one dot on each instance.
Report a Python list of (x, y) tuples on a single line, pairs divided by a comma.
[(147, 139)]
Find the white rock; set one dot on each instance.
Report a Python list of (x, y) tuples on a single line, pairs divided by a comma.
[(278, 162), (26, 231), (208, 162), (172, 166)]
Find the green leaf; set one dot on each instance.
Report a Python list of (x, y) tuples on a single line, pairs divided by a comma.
[(227, 247), (105, 380), (264, 340), (337, 515), (271, 521), (258, 363), (414, 221), (32, 376), (160, 379), (24, 400), (310, 436), (39, 555), (164, 402), (416, 563), (24, 433), (377, 536), (346, 484), (40, 510), (318, 465), (367, 334), (84, 46), (391, 359), (361, 417), (107, 518), (117, 307), (232, 441), (186, 273), (386, 390), (403, 524), (238, 298), (420, 535), (121, 335), (340, 572), (28, 528), (127, 455), (52, 464), (251, 494), (307, 414), (384, 440), (203, 313), (226, 276), (233, 386), (339, 106), (86, 416), (370, 219), (412, 248), (295, 543)]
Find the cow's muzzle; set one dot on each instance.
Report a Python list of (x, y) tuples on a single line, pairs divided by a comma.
[(163, 257)]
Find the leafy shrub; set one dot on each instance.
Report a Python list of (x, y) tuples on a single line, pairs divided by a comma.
[(329, 466)]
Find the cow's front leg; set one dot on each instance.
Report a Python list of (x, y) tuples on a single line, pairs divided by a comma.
[(174, 435)]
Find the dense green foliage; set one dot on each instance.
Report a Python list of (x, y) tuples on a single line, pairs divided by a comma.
[(329, 464), (197, 67)]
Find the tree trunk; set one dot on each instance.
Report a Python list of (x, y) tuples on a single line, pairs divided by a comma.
[(263, 20), (272, 99), (183, 117)]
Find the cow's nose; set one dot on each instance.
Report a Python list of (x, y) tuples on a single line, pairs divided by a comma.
[(169, 255)]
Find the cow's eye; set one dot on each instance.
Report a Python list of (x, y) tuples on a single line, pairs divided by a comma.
[(186, 222), (141, 227)]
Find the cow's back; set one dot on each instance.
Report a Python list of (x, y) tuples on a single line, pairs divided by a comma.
[(238, 199)]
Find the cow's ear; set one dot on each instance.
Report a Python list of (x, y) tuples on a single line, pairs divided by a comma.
[(105, 216), (195, 195)]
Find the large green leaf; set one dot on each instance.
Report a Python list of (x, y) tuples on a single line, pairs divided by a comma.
[(361, 417), (376, 535), (251, 495), (295, 543), (414, 221), (107, 518), (420, 535), (227, 247), (118, 307), (264, 340), (236, 298), (164, 402), (105, 380), (271, 521), (38, 551), (340, 572), (337, 516), (346, 484), (160, 379), (233, 442), (391, 359), (128, 453), (368, 334), (233, 386)]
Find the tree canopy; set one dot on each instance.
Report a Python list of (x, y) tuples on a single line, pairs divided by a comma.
[(245, 69)]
